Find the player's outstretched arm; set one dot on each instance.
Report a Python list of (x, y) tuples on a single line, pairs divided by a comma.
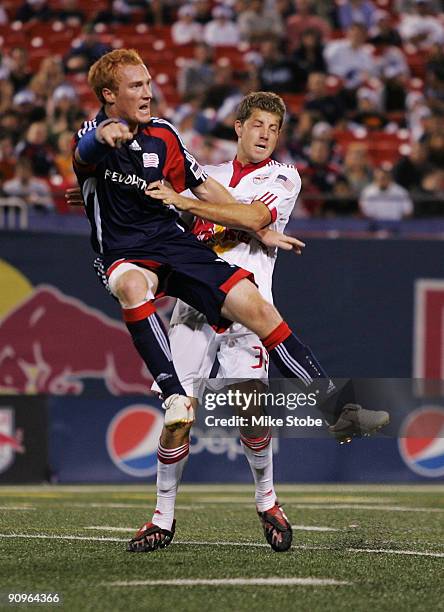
[(95, 144), (248, 217)]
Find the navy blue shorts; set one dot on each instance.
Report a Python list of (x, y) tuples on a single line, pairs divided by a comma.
[(189, 270)]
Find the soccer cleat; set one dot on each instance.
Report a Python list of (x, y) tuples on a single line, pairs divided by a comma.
[(151, 537), (277, 529), (178, 411), (355, 421)]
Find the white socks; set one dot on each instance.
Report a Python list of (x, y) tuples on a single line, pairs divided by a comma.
[(259, 454), (170, 465)]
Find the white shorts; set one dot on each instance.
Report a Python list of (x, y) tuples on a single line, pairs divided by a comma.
[(195, 347)]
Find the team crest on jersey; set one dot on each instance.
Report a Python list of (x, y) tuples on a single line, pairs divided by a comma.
[(260, 178), (150, 160)]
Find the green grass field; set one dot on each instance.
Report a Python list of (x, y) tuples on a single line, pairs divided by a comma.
[(382, 546)]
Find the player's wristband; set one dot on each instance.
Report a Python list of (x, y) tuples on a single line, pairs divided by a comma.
[(92, 149)]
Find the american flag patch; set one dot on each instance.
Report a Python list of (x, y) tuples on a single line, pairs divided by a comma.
[(150, 160), (285, 182)]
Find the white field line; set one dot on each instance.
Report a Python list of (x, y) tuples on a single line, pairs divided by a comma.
[(320, 506), (124, 506), (231, 582), (131, 529), (242, 544), (2, 508), (339, 488)]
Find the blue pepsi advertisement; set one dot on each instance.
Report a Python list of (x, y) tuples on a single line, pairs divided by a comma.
[(114, 439)]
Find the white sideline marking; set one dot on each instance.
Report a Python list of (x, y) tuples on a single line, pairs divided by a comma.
[(387, 551), (124, 506), (17, 508), (313, 528), (363, 507), (232, 582), (131, 529)]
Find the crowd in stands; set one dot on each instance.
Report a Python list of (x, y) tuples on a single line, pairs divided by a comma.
[(363, 81)]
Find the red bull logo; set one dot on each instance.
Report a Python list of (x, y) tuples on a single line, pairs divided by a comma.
[(10, 439), (421, 441), (429, 329), (51, 342), (132, 439)]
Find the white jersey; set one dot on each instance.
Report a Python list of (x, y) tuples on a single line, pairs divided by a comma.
[(277, 186)]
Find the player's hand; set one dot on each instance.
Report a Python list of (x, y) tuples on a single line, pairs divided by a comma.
[(114, 134), (159, 191), (73, 197), (275, 239)]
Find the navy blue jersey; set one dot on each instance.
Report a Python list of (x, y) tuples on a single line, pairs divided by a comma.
[(123, 219)]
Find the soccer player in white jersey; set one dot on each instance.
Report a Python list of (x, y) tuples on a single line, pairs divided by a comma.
[(252, 177)]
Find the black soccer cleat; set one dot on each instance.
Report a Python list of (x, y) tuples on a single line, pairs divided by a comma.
[(151, 537), (355, 422), (277, 529)]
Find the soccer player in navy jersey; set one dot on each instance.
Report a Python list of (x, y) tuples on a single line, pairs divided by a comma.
[(146, 250)]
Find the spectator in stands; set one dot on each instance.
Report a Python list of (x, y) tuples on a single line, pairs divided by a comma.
[(35, 147), (368, 113), (35, 192), (70, 13), (6, 93), (4, 19), (256, 21), (382, 31), (383, 199), (435, 79), (19, 72), (435, 145), (320, 175), (197, 74), (7, 157), (350, 58), (343, 202), (24, 104), (11, 124), (63, 111), (279, 73), (63, 158), (185, 30), (357, 167), (309, 56), (83, 55), (203, 11), (221, 30), (34, 10), (303, 20), (355, 11), (430, 199), (49, 76), (410, 169), (299, 136), (417, 114), (328, 107), (421, 28)]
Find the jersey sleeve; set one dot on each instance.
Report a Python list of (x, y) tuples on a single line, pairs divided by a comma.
[(180, 168), (280, 193)]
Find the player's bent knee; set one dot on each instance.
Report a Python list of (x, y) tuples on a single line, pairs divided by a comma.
[(132, 285)]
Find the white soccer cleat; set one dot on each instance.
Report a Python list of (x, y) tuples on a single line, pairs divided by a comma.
[(178, 410)]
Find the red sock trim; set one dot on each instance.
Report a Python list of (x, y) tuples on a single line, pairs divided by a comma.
[(172, 455), (131, 315), (256, 444), (277, 336)]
